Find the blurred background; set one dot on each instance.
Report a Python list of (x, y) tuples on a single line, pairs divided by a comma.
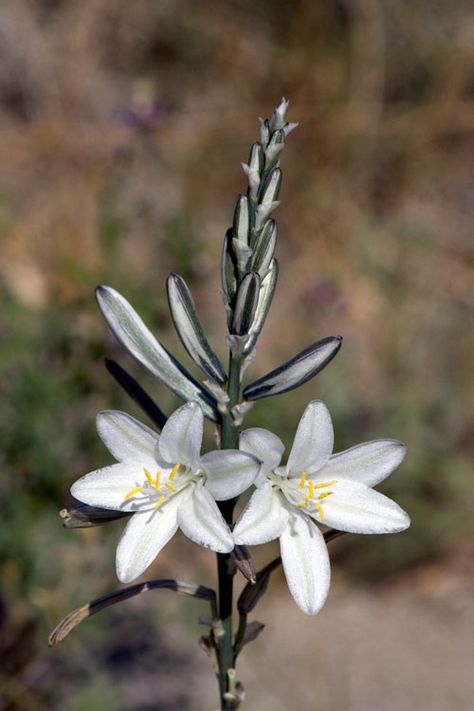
[(122, 129)]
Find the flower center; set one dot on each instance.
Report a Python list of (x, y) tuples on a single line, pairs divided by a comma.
[(312, 499), (159, 488)]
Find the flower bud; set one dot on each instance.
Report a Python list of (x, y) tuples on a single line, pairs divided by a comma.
[(246, 304)]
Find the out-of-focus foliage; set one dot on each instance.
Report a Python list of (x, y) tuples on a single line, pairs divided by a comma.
[(122, 126)]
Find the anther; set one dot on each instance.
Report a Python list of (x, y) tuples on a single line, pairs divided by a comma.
[(159, 502), (148, 476), (303, 480), (157, 481), (311, 489), (132, 492), (324, 484), (321, 512), (170, 486), (173, 472), (324, 494)]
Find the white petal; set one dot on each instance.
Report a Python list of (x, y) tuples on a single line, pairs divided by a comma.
[(229, 472), (181, 438), (263, 519), (107, 487), (144, 537), (264, 445), (313, 441), (202, 522), (126, 439), (356, 508), (305, 561), (368, 463)]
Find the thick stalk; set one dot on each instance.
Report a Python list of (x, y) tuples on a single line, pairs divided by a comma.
[(229, 440)]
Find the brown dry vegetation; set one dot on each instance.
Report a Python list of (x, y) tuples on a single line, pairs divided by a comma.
[(122, 126)]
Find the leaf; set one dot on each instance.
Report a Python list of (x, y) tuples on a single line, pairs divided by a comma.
[(296, 371), (189, 329), (130, 330)]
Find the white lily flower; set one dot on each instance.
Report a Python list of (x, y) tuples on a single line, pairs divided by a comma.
[(315, 486), (166, 483)]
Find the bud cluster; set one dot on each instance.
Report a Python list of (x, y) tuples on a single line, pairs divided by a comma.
[(249, 268)]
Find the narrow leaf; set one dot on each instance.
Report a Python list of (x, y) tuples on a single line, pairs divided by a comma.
[(130, 330), (246, 304), (296, 371), (75, 617), (137, 393), (189, 329)]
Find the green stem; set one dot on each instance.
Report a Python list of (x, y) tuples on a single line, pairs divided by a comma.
[(229, 440)]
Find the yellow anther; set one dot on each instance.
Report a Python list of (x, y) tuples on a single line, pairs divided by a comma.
[(321, 512), (132, 492), (324, 494), (148, 475), (311, 489), (159, 502), (157, 480), (304, 502), (324, 484), (173, 472), (171, 486), (303, 480)]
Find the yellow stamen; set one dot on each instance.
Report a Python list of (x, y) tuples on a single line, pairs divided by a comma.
[(159, 502), (303, 480), (148, 475), (304, 502), (325, 484), (173, 472), (311, 489), (132, 492), (157, 481), (324, 494), (171, 486), (321, 512)]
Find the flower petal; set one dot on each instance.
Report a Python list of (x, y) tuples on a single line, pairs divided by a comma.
[(229, 472), (181, 438), (263, 519), (126, 438), (264, 445), (368, 463), (144, 537), (202, 522), (305, 561), (107, 487), (313, 441), (356, 508)]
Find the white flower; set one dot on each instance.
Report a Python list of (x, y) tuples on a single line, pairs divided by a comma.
[(315, 486), (165, 481)]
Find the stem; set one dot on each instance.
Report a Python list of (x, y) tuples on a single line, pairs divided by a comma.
[(229, 440)]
